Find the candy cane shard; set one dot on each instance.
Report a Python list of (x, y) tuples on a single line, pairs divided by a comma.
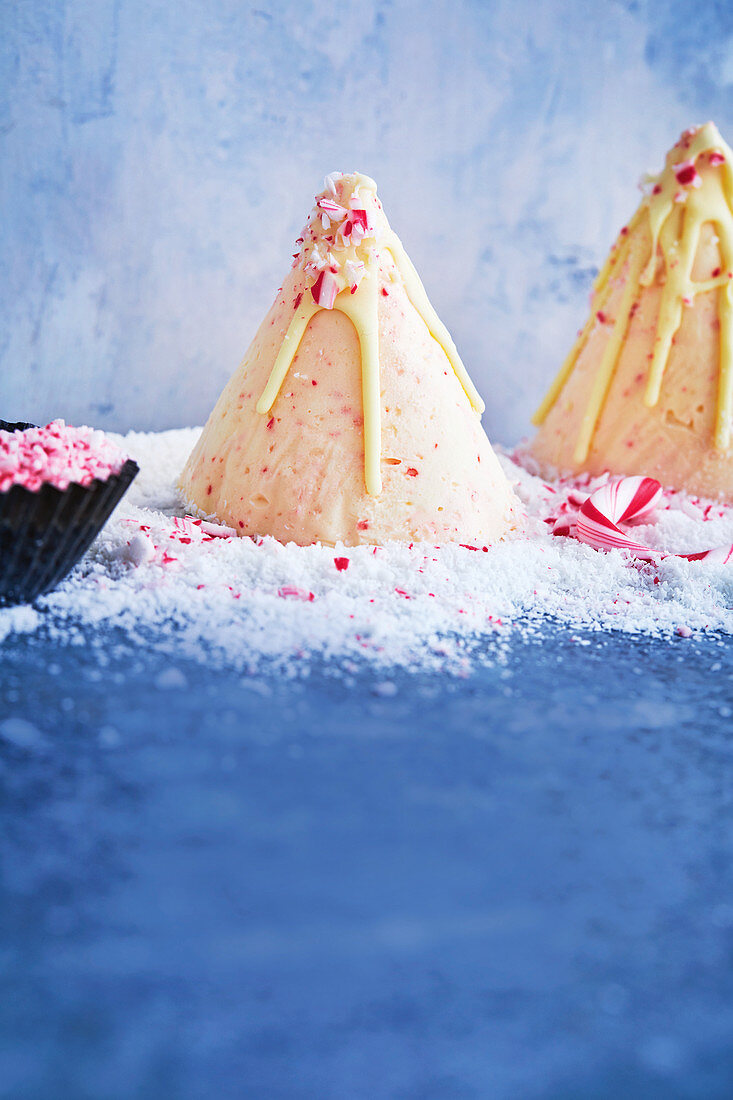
[(648, 385), (624, 501), (192, 526), (629, 499), (621, 501), (719, 555), (352, 417)]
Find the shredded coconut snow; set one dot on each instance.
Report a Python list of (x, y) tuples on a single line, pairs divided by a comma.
[(167, 583)]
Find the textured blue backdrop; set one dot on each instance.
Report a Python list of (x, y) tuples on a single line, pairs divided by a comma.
[(158, 159), (222, 888)]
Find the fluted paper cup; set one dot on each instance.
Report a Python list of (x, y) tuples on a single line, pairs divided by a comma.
[(44, 533)]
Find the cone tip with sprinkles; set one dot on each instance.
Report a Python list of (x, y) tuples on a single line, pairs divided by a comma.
[(352, 417), (648, 386)]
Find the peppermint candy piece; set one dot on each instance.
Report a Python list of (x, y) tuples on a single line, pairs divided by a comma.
[(355, 272), (335, 211), (290, 592), (624, 501), (192, 527), (721, 555), (621, 501), (325, 289)]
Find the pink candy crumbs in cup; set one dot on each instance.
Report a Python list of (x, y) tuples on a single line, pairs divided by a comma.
[(56, 455)]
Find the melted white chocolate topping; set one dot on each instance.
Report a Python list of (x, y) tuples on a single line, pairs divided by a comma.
[(695, 188), (340, 251)]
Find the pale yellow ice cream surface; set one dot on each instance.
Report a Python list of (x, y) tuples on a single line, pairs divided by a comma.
[(648, 386), (351, 418)]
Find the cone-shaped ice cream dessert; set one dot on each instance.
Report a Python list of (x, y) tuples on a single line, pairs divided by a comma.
[(352, 417), (648, 386)]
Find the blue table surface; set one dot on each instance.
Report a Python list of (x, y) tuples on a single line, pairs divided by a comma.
[(518, 884)]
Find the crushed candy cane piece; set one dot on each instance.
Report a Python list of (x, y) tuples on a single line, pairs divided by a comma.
[(333, 209), (192, 526), (339, 238), (721, 555), (620, 501), (325, 289), (290, 592), (625, 500), (355, 272), (57, 455)]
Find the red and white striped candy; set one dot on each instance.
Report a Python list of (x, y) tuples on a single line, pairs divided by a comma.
[(191, 526), (325, 289), (624, 501), (289, 591), (621, 501), (721, 555), (356, 227), (334, 210), (563, 525)]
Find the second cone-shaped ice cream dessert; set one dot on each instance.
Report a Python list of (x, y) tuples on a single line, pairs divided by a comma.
[(351, 417), (648, 386)]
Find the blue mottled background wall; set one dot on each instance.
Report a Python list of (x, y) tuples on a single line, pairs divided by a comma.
[(159, 158)]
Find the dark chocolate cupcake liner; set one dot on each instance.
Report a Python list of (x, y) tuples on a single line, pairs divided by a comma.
[(43, 534)]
